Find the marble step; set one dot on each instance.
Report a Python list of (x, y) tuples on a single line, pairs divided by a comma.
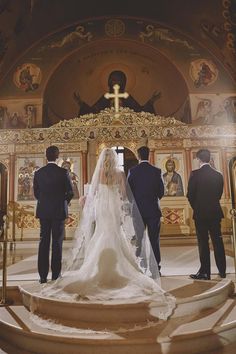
[(208, 330), (192, 297)]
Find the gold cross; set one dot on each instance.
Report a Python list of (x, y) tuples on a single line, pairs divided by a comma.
[(116, 95)]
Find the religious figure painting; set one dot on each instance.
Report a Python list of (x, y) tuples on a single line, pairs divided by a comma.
[(119, 78), (15, 120), (73, 165), (161, 34), (203, 72), (69, 38), (213, 108), (92, 135), (143, 133), (27, 77), (30, 115), (168, 132), (172, 166), (214, 161), (26, 167)]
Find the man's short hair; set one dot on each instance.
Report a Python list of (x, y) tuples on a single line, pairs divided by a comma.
[(52, 153), (143, 152), (204, 155)]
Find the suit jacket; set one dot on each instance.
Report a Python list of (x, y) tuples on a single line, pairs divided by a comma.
[(205, 188), (53, 191), (147, 187)]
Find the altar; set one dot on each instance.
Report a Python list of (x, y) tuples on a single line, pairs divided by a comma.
[(172, 144)]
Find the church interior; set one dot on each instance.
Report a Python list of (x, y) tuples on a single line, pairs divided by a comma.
[(118, 74)]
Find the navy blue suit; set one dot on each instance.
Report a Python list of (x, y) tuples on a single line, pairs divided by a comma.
[(205, 188), (147, 187), (53, 191)]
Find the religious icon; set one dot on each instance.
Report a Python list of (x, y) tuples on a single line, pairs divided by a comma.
[(72, 37), (116, 78), (172, 180), (26, 170), (143, 133), (69, 166), (193, 133), (91, 135), (66, 135), (27, 77), (117, 134), (203, 72), (30, 115), (168, 133), (204, 114), (40, 136), (16, 121), (3, 114)]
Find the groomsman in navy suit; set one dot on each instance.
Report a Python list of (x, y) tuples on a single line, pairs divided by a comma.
[(147, 187), (53, 191), (205, 188)]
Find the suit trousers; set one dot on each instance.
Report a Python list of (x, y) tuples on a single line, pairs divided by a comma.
[(153, 228), (55, 229), (204, 227)]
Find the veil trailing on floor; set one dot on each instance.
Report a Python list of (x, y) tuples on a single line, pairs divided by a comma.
[(110, 193), (102, 263)]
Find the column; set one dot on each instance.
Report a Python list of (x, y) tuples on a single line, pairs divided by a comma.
[(12, 161), (225, 172), (84, 167), (152, 157), (188, 162)]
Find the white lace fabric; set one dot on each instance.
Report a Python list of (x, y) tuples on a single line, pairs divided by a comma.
[(102, 264)]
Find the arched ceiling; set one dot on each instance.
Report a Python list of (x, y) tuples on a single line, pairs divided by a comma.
[(86, 73), (209, 22), (72, 47)]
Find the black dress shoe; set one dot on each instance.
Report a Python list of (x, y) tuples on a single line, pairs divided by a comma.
[(42, 281), (222, 275), (200, 276)]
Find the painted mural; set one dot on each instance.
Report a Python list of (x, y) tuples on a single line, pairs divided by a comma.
[(213, 109), (73, 166), (26, 167), (203, 72), (172, 167), (27, 77)]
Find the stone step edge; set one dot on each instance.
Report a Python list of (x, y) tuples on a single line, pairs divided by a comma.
[(226, 285), (76, 339)]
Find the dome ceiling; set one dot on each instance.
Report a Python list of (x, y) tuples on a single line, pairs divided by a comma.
[(57, 51)]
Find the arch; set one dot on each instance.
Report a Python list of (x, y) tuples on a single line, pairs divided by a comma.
[(67, 81)]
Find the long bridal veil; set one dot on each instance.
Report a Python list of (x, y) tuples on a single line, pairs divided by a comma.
[(110, 204), (102, 263)]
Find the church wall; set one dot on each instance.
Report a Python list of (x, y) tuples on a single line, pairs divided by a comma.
[(20, 113), (188, 58), (79, 58), (72, 138), (22, 158)]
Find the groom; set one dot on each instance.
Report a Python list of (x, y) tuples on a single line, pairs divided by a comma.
[(53, 191), (147, 187)]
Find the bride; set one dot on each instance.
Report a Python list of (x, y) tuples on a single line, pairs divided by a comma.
[(102, 264)]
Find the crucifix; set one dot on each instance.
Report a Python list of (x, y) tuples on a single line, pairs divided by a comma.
[(116, 95)]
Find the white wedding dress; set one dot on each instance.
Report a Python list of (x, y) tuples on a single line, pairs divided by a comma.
[(102, 265)]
